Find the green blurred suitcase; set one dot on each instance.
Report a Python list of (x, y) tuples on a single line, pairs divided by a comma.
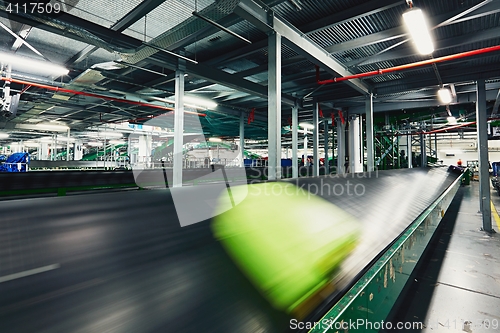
[(286, 240)]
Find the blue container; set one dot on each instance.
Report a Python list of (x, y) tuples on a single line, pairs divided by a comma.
[(286, 162), (495, 166)]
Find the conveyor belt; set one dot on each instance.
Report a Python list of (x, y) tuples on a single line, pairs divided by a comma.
[(122, 263)]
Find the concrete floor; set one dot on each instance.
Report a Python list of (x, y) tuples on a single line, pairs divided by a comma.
[(457, 287)]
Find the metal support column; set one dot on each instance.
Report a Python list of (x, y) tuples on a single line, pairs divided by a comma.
[(315, 140), (54, 148), (178, 128), (242, 140), (129, 150), (326, 144), (435, 146), (67, 146), (274, 106), (482, 139), (340, 148), (306, 164), (295, 141), (423, 151), (355, 162), (409, 150), (104, 152), (361, 144), (370, 154)]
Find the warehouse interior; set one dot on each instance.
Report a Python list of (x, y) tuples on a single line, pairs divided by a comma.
[(249, 165)]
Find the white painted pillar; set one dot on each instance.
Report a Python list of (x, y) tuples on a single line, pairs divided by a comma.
[(295, 141), (78, 150), (355, 159), (43, 151), (144, 150), (242, 140), (274, 106), (370, 150), (316, 139), (340, 148), (67, 146), (178, 128)]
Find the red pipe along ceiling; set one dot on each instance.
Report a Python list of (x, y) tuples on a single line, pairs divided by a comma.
[(408, 66), (83, 93)]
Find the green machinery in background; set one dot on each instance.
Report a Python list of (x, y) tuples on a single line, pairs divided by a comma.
[(387, 153), (109, 150), (392, 137)]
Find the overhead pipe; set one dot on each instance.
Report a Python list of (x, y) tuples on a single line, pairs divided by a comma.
[(221, 27), (408, 66), (439, 130), (444, 129), (83, 93)]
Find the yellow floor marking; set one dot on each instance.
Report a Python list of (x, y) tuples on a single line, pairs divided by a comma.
[(495, 215)]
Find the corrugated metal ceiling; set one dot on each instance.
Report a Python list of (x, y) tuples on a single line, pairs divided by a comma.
[(102, 12), (154, 23)]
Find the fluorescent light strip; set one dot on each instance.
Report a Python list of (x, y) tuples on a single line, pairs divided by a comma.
[(50, 127), (195, 102), (201, 102), (104, 134), (306, 125), (31, 65)]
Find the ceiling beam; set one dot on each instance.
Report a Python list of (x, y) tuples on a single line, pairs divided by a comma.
[(23, 33), (375, 38), (265, 20), (217, 76), (106, 35)]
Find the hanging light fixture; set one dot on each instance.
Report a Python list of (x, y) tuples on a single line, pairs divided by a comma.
[(307, 126), (444, 95), (416, 25)]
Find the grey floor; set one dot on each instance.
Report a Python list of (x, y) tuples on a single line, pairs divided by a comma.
[(457, 289)]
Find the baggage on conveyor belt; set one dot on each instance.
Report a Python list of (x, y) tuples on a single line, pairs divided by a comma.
[(287, 241)]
